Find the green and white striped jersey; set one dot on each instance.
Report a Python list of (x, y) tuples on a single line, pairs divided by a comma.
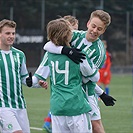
[(94, 50), (43, 71), (66, 83), (13, 73)]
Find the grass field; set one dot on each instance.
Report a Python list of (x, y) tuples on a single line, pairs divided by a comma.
[(116, 119)]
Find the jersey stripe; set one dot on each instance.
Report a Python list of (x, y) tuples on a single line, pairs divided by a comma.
[(6, 91), (12, 70)]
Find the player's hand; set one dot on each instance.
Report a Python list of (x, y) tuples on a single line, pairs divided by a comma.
[(29, 80), (43, 84), (74, 54), (108, 100)]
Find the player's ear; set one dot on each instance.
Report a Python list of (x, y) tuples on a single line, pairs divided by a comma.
[(88, 23)]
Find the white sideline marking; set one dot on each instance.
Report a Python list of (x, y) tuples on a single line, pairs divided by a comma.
[(35, 128)]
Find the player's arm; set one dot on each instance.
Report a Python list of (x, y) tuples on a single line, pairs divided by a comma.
[(88, 71), (52, 48), (73, 53), (98, 90), (42, 73), (23, 71), (34, 82), (108, 100)]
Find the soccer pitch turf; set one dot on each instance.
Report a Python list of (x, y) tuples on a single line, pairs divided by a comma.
[(116, 119)]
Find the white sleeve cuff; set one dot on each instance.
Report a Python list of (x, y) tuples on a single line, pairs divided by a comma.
[(98, 90), (52, 48)]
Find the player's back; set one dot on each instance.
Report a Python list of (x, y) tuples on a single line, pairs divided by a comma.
[(66, 91)]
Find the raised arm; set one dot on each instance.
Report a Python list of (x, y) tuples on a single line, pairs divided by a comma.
[(73, 53), (52, 48)]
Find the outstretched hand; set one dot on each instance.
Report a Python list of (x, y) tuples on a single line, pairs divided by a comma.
[(43, 84), (74, 54), (108, 100), (29, 80)]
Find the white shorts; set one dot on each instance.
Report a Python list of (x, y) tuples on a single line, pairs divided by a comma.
[(71, 124), (12, 120), (95, 113)]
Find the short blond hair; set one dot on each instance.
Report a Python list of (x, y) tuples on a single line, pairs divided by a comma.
[(103, 16), (58, 31), (6, 22)]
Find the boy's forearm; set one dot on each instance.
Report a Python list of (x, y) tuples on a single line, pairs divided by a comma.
[(52, 48)]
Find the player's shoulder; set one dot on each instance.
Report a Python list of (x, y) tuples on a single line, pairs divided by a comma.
[(98, 41), (17, 51), (78, 34), (49, 42), (79, 31)]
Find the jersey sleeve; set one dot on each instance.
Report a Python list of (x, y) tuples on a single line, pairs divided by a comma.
[(43, 71), (77, 34), (98, 90), (24, 71), (89, 71), (35, 81), (52, 48)]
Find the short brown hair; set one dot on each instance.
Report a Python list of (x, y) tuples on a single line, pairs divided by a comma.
[(58, 31), (6, 22), (103, 16), (71, 19)]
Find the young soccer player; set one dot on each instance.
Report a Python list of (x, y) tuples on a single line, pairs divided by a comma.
[(66, 86), (89, 42), (13, 72), (105, 72), (74, 26)]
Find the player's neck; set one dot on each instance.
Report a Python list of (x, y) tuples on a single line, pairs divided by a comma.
[(5, 47)]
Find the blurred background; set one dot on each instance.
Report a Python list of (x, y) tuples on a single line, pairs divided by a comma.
[(32, 17)]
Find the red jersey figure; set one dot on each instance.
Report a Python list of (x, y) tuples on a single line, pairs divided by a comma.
[(105, 72)]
